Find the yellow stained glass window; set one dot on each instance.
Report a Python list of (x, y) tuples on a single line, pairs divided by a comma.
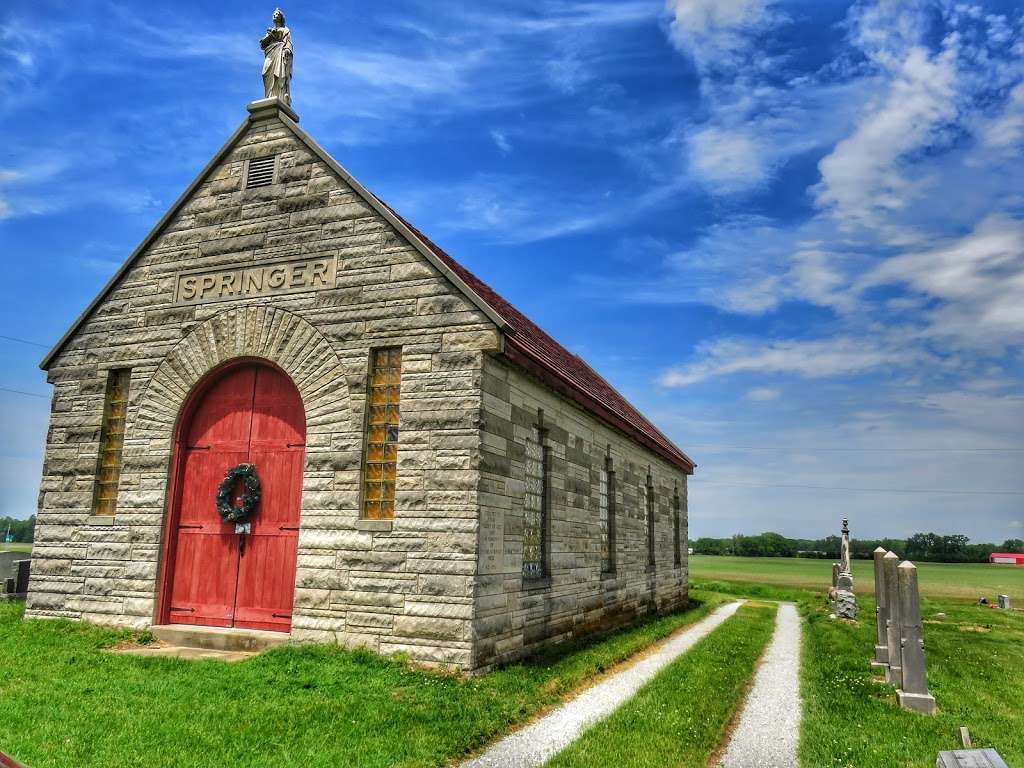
[(383, 397), (108, 464)]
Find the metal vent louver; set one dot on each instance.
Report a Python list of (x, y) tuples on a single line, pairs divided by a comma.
[(261, 172)]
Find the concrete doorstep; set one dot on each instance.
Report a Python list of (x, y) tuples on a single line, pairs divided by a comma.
[(184, 641)]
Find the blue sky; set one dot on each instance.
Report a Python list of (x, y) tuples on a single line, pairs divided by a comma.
[(792, 233)]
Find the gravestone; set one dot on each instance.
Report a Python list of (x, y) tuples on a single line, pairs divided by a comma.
[(913, 693), (970, 758), (881, 611), (22, 569), (846, 601), (1004, 602), (892, 622)]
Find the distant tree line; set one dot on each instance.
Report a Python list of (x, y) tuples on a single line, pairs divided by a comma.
[(929, 547), (22, 530)]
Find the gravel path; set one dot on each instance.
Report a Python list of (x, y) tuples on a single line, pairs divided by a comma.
[(769, 727), (541, 740)]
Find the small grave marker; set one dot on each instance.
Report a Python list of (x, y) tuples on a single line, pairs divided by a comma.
[(970, 758)]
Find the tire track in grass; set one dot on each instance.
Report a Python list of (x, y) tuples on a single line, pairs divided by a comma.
[(534, 744), (769, 725), (680, 717)]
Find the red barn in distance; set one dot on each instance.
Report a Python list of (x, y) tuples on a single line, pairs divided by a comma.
[(1006, 558)]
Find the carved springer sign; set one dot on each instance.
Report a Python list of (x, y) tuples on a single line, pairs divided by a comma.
[(256, 279)]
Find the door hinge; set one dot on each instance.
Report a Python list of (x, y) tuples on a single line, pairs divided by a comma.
[(280, 615)]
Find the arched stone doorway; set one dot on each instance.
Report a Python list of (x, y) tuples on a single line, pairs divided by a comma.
[(247, 411)]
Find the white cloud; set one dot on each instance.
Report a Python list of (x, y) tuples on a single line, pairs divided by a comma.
[(1016, 524), (501, 141), (726, 160), (714, 31), (863, 173), (763, 394), (813, 359), (1007, 130), (979, 278)]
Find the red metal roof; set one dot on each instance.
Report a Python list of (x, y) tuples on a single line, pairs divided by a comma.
[(1010, 555), (529, 347)]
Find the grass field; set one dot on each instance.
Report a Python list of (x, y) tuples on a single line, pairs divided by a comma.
[(964, 581), (975, 658), (64, 701), (18, 547), (672, 721)]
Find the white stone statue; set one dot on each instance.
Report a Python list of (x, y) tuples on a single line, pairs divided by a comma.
[(277, 66), (844, 553), (846, 602)]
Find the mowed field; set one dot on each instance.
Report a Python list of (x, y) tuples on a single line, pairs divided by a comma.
[(966, 581), (19, 547)]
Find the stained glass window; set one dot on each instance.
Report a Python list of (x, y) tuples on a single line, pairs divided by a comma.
[(108, 465), (535, 507), (383, 396)]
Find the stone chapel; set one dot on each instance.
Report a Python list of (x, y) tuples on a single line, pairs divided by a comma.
[(289, 411)]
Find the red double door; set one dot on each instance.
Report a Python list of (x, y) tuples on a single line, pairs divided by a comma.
[(252, 414)]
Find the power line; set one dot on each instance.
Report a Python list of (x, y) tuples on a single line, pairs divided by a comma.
[(24, 341), (20, 392), (713, 446), (923, 491)]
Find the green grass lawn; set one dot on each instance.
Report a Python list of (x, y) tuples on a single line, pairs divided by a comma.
[(975, 658), (16, 547), (967, 581), (975, 662), (680, 717), (64, 701)]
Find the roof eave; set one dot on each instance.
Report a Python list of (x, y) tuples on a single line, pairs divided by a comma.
[(537, 368)]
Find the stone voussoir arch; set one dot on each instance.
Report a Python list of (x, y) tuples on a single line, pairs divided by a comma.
[(283, 338)]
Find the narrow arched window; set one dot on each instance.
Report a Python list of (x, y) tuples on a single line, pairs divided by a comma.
[(676, 528), (108, 463), (381, 450), (606, 513), (649, 497), (535, 503)]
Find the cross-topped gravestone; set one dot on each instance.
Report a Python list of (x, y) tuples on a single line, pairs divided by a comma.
[(846, 601)]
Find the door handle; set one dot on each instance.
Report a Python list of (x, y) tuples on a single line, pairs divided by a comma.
[(182, 525), (288, 528)]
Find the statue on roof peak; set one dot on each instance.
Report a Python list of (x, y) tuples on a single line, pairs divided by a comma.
[(277, 64)]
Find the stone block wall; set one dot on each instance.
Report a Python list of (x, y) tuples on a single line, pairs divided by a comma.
[(401, 586), (514, 616)]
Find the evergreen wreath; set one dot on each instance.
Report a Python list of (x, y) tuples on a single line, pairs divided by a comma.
[(249, 499)]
